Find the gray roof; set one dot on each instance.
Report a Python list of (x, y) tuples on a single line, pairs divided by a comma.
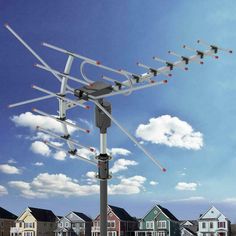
[(189, 230), (83, 216), (4, 214), (122, 214), (168, 213), (43, 214)]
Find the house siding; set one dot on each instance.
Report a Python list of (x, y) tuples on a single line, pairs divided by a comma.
[(154, 216)]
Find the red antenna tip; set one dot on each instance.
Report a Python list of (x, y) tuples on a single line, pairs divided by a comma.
[(169, 51), (32, 85), (165, 81), (33, 109), (169, 75), (98, 62), (202, 62), (37, 127), (230, 51), (153, 81), (87, 131), (87, 107), (92, 149), (216, 57), (186, 68), (164, 169)]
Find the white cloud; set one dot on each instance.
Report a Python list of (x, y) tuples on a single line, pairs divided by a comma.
[(41, 148), (91, 177), (170, 131), (186, 186), (231, 200), (3, 191), (8, 169), (190, 199), (153, 183), (122, 164), (38, 164), (132, 185), (60, 156), (11, 161), (31, 121), (42, 136), (50, 185), (119, 151)]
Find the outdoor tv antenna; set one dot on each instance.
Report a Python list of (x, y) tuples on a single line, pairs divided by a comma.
[(96, 92)]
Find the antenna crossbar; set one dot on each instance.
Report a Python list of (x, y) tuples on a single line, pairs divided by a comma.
[(63, 121), (71, 152), (65, 138)]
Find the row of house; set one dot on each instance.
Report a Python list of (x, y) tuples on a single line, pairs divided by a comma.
[(159, 221)]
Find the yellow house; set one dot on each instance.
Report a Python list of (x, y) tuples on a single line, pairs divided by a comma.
[(35, 222)]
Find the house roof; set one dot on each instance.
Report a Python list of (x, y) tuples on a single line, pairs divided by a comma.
[(42, 214), (189, 230), (122, 214), (82, 216), (193, 222), (4, 214), (168, 213)]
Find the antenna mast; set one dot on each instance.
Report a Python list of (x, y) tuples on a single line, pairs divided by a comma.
[(96, 91)]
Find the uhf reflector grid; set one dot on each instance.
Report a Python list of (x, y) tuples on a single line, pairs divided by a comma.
[(95, 92)]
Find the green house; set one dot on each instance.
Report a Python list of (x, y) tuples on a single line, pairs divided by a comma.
[(158, 222)]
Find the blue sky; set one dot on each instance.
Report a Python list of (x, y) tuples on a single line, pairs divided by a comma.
[(196, 107)]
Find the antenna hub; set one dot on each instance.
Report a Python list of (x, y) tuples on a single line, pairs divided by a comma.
[(95, 89), (102, 120)]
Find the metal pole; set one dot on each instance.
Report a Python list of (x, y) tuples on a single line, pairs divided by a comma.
[(103, 190), (103, 122)]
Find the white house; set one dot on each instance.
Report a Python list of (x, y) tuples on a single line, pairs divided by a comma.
[(74, 224), (213, 223)]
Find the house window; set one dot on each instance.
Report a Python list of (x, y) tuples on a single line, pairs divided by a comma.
[(211, 225), (97, 223), (149, 224), (111, 233), (28, 225), (111, 224), (161, 233), (161, 224), (28, 233), (221, 224), (203, 225)]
